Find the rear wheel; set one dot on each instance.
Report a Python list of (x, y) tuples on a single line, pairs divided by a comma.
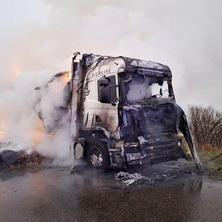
[(98, 155)]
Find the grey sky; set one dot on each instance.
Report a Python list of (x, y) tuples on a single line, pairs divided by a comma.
[(17, 14), (186, 35)]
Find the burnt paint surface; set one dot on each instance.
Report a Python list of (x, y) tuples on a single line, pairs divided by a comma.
[(155, 120), (150, 121), (157, 126), (96, 66), (135, 66)]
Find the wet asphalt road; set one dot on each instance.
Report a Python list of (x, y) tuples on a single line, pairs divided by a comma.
[(53, 194)]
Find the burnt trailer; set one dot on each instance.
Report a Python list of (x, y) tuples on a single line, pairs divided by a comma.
[(123, 112)]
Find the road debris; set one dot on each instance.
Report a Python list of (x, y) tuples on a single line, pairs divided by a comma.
[(128, 178), (12, 159), (153, 175)]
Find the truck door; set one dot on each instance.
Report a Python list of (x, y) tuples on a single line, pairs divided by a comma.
[(107, 106), (90, 102)]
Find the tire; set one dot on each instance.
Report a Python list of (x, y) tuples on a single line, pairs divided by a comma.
[(98, 155)]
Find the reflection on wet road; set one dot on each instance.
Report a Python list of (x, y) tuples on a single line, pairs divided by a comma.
[(53, 194)]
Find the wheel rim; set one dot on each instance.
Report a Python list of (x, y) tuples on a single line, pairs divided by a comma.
[(96, 158)]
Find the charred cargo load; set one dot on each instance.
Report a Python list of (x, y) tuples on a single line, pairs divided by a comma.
[(123, 112)]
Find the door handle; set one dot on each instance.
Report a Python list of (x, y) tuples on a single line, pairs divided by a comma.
[(98, 119)]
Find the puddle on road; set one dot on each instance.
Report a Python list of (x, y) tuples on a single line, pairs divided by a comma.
[(88, 193), (157, 174)]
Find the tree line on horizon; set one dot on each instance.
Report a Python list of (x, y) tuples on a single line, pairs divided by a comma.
[(206, 127)]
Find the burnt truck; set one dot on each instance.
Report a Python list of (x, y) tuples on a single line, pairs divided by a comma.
[(123, 112)]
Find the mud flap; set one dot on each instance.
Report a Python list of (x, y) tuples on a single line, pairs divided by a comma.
[(184, 128), (115, 148)]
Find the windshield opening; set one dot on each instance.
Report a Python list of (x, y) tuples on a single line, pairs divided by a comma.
[(141, 89)]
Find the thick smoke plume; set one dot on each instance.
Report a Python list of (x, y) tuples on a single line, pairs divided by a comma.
[(43, 34), (36, 118)]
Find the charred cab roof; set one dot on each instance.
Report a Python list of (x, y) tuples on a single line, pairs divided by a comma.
[(137, 66)]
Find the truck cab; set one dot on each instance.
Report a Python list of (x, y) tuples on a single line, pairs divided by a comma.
[(123, 112)]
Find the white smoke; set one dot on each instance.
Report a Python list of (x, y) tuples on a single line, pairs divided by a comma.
[(53, 111), (139, 90), (182, 34), (17, 106), (43, 34), (22, 108)]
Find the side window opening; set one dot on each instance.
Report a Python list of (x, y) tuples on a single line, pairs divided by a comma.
[(107, 89)]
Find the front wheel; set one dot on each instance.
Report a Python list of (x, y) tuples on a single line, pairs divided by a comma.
[(98, 155)]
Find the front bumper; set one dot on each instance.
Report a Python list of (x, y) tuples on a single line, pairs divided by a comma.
[(146, 152), (153, 160)]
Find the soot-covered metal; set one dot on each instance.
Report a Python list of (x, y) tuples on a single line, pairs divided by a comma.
[(123, 112)]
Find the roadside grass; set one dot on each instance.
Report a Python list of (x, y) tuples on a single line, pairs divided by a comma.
[(212, 167)]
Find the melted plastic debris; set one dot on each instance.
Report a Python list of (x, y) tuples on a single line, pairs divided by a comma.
[(153, 175), (128, 178), (127, 175)]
